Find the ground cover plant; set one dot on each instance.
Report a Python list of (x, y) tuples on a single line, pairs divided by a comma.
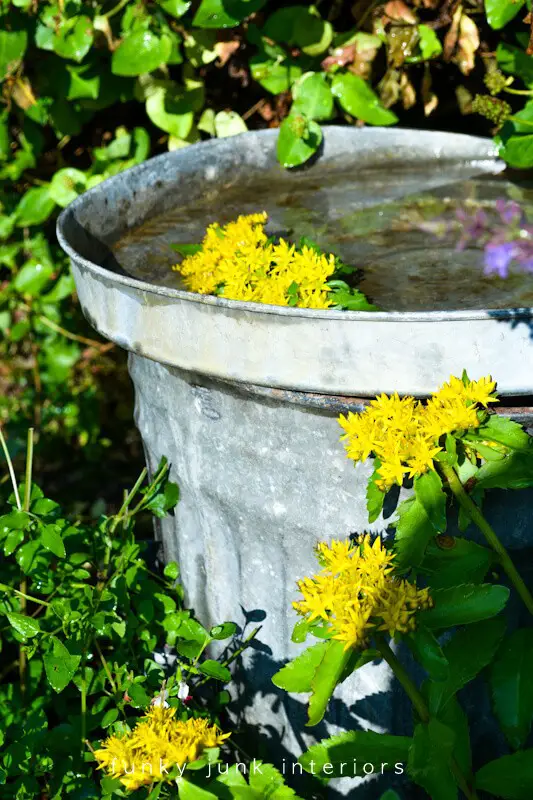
[(89, 89)]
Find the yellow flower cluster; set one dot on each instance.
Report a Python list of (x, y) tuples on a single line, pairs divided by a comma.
[(156, 745), (356, 592), (404, 434), (238, 262)]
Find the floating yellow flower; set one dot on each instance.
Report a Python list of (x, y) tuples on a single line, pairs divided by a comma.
[(357, 593), (238, 262), (158, 743), (404, 434)]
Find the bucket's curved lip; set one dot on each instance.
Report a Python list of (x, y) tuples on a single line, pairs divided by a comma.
[(504, 314)]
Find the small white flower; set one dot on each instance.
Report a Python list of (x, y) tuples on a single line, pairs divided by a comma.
[(183, 690)]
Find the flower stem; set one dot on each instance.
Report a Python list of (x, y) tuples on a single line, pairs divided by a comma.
[(416, 698), (409, 686), (477, 517)]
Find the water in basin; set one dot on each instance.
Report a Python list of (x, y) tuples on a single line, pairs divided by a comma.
[(369, 219)]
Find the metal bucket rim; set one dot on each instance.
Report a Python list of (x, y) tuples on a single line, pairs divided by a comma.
[(508, 314)]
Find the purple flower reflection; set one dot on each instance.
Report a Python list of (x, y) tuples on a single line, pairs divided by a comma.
[(498, 258)]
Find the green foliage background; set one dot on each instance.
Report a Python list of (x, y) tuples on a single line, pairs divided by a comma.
[(91, 88)]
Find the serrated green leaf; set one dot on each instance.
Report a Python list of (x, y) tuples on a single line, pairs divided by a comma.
[(353, 749), (454, 561), (429, 760), (468, 652), (512, 687), (298, 674), (428, 652), (462, 605), (327, 675), (506, 432), (509, 777), (515, 471)]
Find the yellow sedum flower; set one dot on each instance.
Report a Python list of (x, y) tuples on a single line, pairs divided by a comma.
[(158, 743), (404, 434), (356, 592), (238, 262)]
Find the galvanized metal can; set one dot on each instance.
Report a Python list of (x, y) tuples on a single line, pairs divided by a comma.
[(242, 399)]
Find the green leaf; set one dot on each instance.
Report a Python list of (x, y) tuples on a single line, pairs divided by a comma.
[(375, 497), (176, 8), (468, 652), (229, 123), (60, 665), (52, 541), (12, 48), (35, 207), (453, 716), (164, 500), (225, 13), (354, 749), (171, 571), (276, 74), (301, 27), (12, 541), (432, 498), (73, 38), (428, 653), (213, 669), (224, 631), (510, 777), (515, 471), (429, 760), (429, 43), (141, 51), (414, 532), (455, 560), (171, 109), (312, 96), (518, 151), (506, 432), (32, 277), (189, 791), (390, 794), (109, 717), (298, 140), (512, 686), (516, 61), (66, 185), (298, 674), (462, 605), (139, 698), (357, 98), (26, 626), (59, 358), (326, 678), (500, 12)]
